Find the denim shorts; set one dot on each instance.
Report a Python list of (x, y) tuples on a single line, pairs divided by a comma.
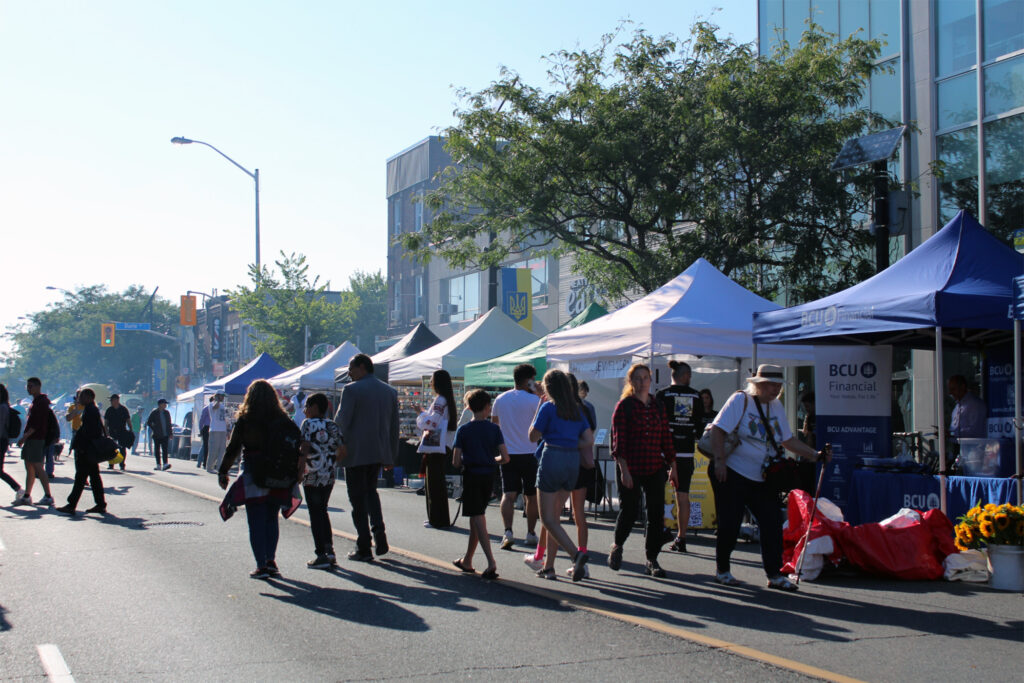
[(558, 468)]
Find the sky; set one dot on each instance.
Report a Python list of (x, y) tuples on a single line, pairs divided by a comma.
[(315, 94)]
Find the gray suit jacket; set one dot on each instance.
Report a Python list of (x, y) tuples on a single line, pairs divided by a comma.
[(368, 420)]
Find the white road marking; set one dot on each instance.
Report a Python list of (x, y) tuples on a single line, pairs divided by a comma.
[(54, 665), (2, 546)]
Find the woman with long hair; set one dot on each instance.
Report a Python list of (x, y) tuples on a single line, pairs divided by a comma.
[(438, 423), (568, 438), (642, 449), (5, 416), (261, 425)]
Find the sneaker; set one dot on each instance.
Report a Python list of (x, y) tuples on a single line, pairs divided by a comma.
[(167, 466), (25, 499), (357, 556), (535, 564), (101, 509), (615, 558), (272, 569), (678, 545), (579, 563), (259, 573), (726, 579), (531, 539), (46, 500), (380, 545), (18, 496), (654, 569), (781, 583), (548, 574), (507, 540), (332, 558), (319, 562), (67, 509), (157, 469), (571, 568)]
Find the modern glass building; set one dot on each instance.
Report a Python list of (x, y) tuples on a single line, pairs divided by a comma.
[(956, 70)]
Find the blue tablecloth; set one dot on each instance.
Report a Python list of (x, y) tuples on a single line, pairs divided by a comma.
[(877, 495)]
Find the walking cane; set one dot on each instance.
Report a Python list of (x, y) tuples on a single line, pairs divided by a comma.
[(814, 509)]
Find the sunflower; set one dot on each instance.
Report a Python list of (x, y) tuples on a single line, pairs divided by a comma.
[(974, 511), (991, 507), (1002, 521), (960, 546), (987, 529)]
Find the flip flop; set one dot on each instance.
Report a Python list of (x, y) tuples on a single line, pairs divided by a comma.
[(490, 574), (467, 570)]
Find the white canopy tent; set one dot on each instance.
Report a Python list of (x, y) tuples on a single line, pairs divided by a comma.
[(317, 375), (491, 335)]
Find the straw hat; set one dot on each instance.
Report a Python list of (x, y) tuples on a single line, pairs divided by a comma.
[(767, 373)]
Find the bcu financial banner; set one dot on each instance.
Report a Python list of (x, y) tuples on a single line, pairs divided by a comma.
[(517, 295), (853, 401)]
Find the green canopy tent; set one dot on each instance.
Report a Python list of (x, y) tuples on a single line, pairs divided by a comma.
[(497, 372)]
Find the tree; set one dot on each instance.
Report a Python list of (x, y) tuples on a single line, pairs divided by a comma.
[(281, 309), (370, 291), (61, 344), (644, 157)]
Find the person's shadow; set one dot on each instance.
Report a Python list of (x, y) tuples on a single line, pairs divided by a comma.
[(357, 606)]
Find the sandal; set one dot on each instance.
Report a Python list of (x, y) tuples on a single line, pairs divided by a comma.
[(548, 573), (726, 579), (490, 574), (781, 583), (462, 567)]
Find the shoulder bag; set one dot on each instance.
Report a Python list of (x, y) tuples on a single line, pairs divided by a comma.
[(780, 472), (732, 438)]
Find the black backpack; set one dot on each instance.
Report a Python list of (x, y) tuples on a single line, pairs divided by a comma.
[(52, 428), (277, 467), (13, 423)]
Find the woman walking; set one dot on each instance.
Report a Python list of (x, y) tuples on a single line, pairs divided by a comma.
[(568, 439), (642, 449), (759, 419), (86, 467), (5, 417), (585, 479), (262, 425), (438, 423)]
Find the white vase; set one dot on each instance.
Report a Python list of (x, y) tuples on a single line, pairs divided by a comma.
[(1006, 562)]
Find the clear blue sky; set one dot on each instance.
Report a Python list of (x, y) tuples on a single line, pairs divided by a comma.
[(315, 94)]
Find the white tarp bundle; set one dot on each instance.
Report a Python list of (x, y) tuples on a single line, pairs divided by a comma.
[(490, 335), (701, 312), (317, 375)]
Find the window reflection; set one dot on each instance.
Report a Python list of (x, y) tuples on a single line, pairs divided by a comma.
[(1004, 86), (959, 186), (886, 99), (957, 100), (956, 49), (1004, 175), (885, 24), (1004, 27)]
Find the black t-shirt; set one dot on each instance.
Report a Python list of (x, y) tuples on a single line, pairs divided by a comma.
[(478, 442), (118, 420), (683, 408)]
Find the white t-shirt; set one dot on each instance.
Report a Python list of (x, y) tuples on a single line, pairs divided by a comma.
[(515, 410), (746, 460), (218, 418)]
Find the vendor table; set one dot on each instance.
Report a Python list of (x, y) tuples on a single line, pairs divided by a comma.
[(877, 495)]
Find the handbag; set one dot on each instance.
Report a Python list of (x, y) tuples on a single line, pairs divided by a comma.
[(103, 449), (732, 439), (780, 473)]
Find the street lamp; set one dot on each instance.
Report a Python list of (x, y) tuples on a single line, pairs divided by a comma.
[(255, 175), (61, 289)]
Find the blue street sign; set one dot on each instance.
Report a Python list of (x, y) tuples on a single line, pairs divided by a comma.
[(131, 326)]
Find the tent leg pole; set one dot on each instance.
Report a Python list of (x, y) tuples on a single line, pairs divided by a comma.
[(753, 359), (1017, 411), (940, 426)]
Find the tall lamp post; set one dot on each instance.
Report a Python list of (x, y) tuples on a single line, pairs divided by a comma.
[(255, 175)]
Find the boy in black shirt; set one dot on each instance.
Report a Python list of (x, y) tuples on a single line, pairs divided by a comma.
[(683, 408), (479, 448)]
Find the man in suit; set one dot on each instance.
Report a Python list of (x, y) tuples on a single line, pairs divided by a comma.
[(368, 420)]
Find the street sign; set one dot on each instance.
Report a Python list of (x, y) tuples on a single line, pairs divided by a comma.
[(132, 326)]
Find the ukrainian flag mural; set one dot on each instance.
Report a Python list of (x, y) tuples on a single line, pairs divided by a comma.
[(517, 295)]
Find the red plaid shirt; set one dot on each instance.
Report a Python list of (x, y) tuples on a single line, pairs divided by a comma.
[(641, 436)]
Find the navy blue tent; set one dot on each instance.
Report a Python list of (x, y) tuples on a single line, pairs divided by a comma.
[(1018, 297), (1018, 316), (261, 367), (957, 280)]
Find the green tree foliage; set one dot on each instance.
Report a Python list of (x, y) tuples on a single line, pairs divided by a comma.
[(281, 306), (643, 156), (61, 344), (370, 291)]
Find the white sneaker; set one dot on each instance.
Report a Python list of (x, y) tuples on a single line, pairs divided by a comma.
[(24, 500), (532, 563), (46, 500), (507, 540), (586, 571), (531, 539), (18, 496)]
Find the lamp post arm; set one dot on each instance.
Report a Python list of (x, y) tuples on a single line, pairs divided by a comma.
[(238, 165)]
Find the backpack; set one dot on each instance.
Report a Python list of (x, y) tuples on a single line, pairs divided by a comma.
[(52, 428), (277, 467), (13, 423)]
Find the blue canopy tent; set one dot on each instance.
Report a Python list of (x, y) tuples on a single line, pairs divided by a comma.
[(954, 289), (1018, 315), (261, 367)]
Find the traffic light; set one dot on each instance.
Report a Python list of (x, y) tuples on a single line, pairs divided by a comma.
[(188, 310), (107, 334)]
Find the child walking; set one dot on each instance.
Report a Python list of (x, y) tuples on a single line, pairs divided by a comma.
[(479, 448)]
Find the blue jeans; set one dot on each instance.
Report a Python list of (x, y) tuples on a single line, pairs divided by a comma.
[(49, 461), (263, 530)]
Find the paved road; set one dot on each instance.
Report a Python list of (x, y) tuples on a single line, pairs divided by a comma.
[(158, 590)]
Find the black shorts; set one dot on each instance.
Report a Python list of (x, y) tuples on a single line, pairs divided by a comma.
[(585, 479), (684, 470), (476, 492), (519, 474)]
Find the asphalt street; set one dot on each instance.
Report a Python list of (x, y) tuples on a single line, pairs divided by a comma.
[(158, 589)]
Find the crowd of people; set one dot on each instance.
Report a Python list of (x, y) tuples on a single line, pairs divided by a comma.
[(536, 439)]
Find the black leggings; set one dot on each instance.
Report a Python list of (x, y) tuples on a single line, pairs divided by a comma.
[(6, 477), (652, 486), (731, 497)]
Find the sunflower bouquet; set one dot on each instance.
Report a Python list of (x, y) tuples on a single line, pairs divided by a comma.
[(990, 524)]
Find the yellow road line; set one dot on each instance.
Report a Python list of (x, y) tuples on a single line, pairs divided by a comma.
[(581, 604)]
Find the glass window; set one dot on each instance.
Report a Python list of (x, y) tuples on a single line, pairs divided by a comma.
[(886, 99), (853, 16), (825, 13), (957, 100), (770, 21), (396, 304), (1004, 175), (795, 14), (1004, 27), (956, 45), (1004, 86), (419, 296), (463, 297), (396, 208), (959, 186), (538, 277), (885, 24), (418, 213)]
